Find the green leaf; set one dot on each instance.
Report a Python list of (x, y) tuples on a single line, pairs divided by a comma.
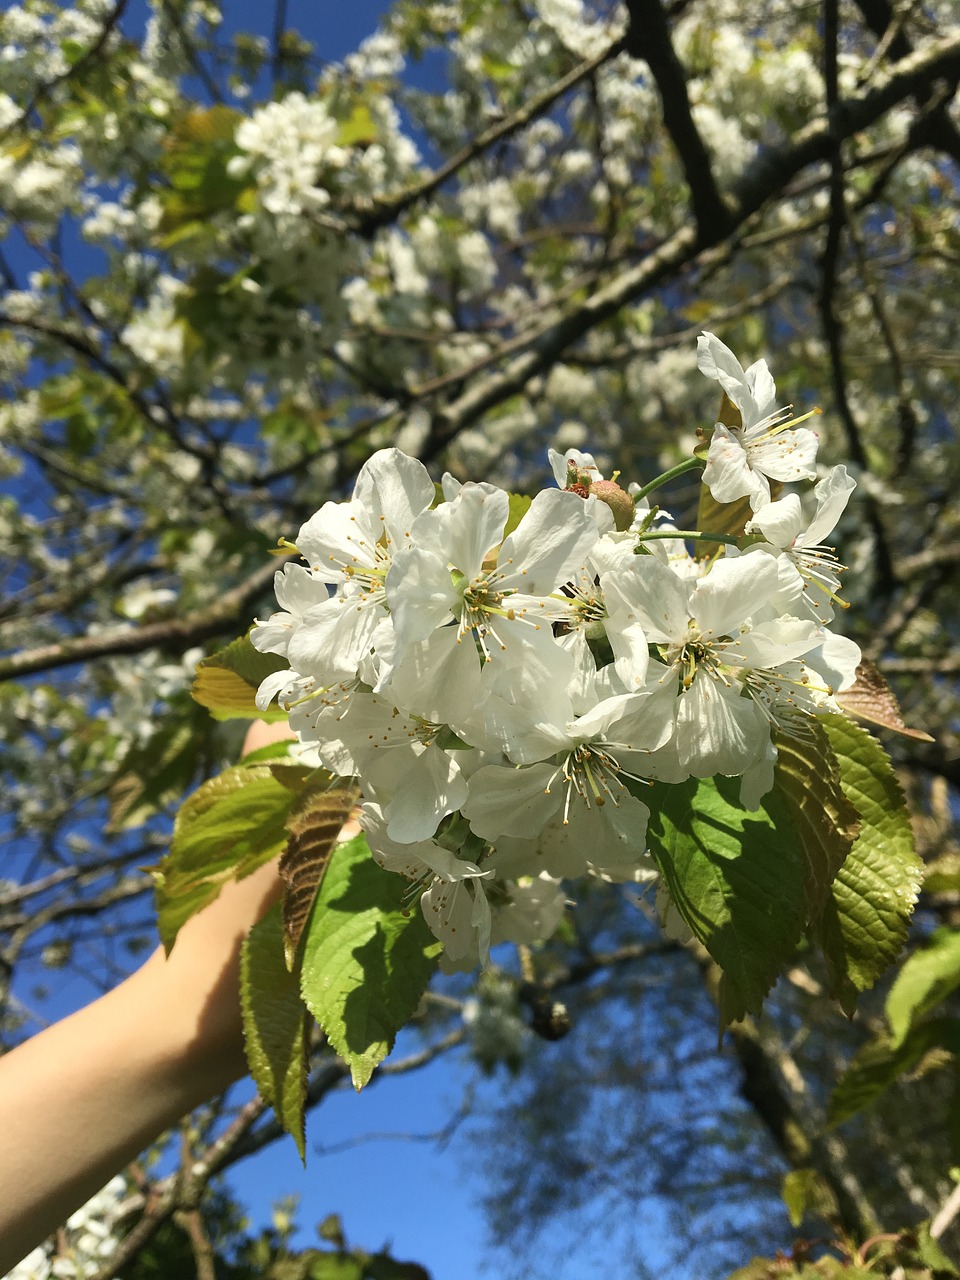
[(807, 779), (230, 826), (828, 1268), (277, 753), (925, 978), (336, 1266), (932, 1255), (205, 125), (275, 1024), (518, 508), (226, 683), (195, 162), (366, 960), (359, 127), (880, 1063), (737, 879), (155, 773), (864, 925), (382, 1267), (805, 1193)]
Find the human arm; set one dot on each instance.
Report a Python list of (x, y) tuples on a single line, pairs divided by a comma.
[(85, 1096)]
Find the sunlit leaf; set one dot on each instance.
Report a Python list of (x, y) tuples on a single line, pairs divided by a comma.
[(231, 825), (366, 958), (804, 1193), (275, 1024), (923, 981), (880, 1063), (864, 925), (226, 683)]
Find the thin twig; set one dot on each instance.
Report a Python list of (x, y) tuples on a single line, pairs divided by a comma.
[(200, 624), (389, 208)]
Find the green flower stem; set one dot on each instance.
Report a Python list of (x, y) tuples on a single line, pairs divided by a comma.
[(695, 534), (690, 465)]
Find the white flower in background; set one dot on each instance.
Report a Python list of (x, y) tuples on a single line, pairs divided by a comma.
[(156, 334), (575, 30), (378, 58), (533, 910), (88, 1241), (741, 461), (289, 145)]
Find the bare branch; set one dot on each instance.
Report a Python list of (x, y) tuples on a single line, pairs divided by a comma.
[(946, 1213), (762, 181), (89, 55), (386, 211), (180, 1192), (229, 610), (648, 37)]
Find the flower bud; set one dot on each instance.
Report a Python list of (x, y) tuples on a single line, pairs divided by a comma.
[(618, 500)]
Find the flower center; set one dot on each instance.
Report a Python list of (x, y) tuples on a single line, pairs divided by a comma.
[(594, 775), (482, 604), (694, 655)]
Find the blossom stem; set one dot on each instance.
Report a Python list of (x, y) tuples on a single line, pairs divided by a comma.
[(695, 534), (682, 467)]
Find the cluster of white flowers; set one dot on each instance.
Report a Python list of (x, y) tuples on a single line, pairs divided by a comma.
[(89, 1240), (35, 187), (155, 335), (291, 144), (504, 687)]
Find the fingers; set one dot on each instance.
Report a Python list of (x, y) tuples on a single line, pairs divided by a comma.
[(261, 734)]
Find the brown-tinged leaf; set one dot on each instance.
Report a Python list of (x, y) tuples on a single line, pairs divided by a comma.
[(827, 823), (313, 834), (872, 699)]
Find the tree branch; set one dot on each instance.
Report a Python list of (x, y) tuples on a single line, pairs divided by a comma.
[(762, 181), (229, 610), (387, 210), (44, 90), (648, 37), (774, 1086)]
